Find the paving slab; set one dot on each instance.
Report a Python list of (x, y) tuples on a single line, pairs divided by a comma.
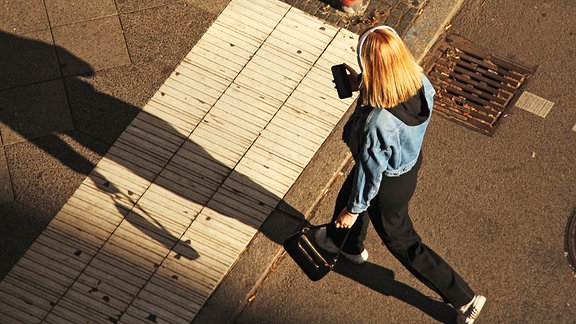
[(102, 45), (62, 12), (26, 59), (19, 17), (172, 28), (44, 166), (33, 111), (102, 105)]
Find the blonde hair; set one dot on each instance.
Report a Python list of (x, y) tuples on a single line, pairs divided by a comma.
[(390, 74)]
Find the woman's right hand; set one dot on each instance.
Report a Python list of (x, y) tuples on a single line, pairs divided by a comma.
[(346, 219)]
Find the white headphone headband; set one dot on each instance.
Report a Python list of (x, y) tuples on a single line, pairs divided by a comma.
[(363, 38)]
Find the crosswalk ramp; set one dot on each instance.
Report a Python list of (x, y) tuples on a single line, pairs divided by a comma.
[(168, 210)]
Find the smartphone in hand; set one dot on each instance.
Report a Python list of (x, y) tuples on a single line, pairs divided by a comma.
[(342, 82)]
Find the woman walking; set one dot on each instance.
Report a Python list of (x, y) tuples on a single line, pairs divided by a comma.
[(385, 135)]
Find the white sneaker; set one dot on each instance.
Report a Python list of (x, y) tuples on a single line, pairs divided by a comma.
[(326, 243), (468, 313), (357, 258)]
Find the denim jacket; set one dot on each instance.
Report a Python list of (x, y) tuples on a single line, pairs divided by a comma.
[(386, 146)]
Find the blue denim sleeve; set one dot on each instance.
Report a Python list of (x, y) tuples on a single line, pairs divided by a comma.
[(369, 170)]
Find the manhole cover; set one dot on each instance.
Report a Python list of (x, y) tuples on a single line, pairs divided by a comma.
[(570, 244), (474, 87)]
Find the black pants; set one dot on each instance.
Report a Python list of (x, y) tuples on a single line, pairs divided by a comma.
[(388, 212)]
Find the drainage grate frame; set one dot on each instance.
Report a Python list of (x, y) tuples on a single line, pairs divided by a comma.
[(475, 88)]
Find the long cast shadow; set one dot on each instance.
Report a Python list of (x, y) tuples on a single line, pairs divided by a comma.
[(97, 120), (382, 281)]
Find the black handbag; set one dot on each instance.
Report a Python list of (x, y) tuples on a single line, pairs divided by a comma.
[(302, 250)]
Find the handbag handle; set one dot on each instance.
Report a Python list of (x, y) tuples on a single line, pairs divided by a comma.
[(309, 227)]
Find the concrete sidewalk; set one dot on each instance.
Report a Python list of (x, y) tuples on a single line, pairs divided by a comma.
[(85, 114)]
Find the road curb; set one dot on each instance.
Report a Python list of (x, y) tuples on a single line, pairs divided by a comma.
[(432, 22)]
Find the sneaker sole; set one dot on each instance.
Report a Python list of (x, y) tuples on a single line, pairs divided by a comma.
[(481, 300), (355, 259)]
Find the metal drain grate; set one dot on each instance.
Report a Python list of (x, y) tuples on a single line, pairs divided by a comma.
[(474, 87)]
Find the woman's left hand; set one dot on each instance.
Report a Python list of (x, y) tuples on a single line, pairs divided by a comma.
[(345, 219), (352, 77)]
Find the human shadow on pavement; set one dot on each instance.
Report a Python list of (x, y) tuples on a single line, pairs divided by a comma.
[(382, 280), (96, 120)]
